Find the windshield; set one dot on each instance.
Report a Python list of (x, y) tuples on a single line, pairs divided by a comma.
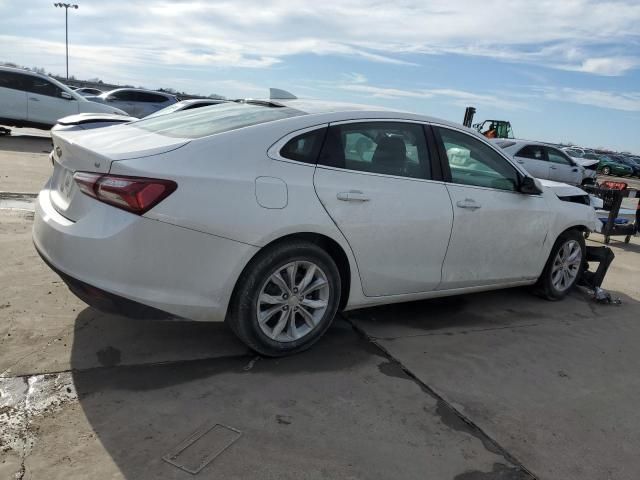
[(205, 121)]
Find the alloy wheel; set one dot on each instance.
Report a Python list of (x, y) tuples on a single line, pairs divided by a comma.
[(566, 265), (293, 301)]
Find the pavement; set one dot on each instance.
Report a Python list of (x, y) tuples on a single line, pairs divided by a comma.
[(493, 386)]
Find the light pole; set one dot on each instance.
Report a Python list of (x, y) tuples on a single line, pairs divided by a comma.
[(66, 7)]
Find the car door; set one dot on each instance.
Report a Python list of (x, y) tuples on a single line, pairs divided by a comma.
[(46, 103), (562, 168), (534, 160), (374, 179), (13, 97), (498, 233)]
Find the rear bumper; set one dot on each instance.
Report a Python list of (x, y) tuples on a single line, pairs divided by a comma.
[(105, 301), (114, 259)]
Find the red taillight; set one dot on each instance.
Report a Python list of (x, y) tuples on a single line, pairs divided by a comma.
[(133, 194)]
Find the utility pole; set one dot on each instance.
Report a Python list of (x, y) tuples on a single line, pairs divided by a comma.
[(66, 7)]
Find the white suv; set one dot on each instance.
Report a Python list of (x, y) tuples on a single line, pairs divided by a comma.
[(29, 99)]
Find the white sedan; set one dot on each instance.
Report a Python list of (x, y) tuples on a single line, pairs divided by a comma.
[(274, 215)]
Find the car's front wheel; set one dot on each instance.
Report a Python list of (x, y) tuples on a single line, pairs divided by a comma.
[(564, 266), (285, 299)]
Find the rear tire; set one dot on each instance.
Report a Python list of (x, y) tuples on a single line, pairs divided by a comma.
[(564, 266), (606, 170), (285, 299)]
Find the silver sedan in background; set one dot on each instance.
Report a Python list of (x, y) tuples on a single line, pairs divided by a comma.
[(135, 101), (544, 161)]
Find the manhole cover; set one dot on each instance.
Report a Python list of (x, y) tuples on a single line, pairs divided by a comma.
[(202, 447)]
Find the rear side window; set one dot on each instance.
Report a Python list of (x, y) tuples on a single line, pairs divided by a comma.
[(389, 148), (150, 97), (42, 86), (534, 152), (13, 80), (124, 96), (305, 147), (202, 122)]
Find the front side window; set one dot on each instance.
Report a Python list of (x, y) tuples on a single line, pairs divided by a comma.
[(473, 163), (305, 147), (556, 156), (534, 152), (390, 148)]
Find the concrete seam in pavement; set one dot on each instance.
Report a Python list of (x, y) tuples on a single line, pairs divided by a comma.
[(488, 442), (477, 330)]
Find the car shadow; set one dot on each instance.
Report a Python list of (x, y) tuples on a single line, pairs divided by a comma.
[(145, 385), (26, 143)]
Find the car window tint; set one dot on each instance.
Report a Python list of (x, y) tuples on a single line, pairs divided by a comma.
[(556, 156), (150, 97), (390, 148), (13, 80), (534, 152), (472, 162), (123, 96), (304, 147), (42, 86), (208, 121)]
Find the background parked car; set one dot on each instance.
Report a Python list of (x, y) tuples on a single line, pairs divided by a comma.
[(136, 102), (88, 91), (29, 99), (88, 121), (629, 162), (187, 105), (608, 166), (544, 161)]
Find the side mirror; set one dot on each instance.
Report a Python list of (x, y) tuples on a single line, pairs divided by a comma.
[(66, 96), (530, 186)]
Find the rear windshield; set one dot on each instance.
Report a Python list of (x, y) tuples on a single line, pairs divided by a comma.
[(215, 119)]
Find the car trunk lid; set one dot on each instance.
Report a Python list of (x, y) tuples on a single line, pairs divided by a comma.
[(94, 151)]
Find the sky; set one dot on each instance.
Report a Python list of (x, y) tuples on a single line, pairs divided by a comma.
[(560, 71)]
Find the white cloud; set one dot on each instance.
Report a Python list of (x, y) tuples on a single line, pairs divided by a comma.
[(626, 101), (590, 36), (356, 83), (613, 66)]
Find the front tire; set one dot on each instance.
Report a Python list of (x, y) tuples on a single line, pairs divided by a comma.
[(564, 266), (285, 299)]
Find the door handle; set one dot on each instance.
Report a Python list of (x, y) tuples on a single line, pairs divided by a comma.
[(553, 168), (34, 99), (469, 203), (574, 170), (352, 196)]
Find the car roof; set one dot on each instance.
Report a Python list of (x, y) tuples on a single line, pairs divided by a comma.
[(23, 70), (346, 111)]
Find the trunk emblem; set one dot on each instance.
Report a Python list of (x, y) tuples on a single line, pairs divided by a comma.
[(58, 152), (96, 164)]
